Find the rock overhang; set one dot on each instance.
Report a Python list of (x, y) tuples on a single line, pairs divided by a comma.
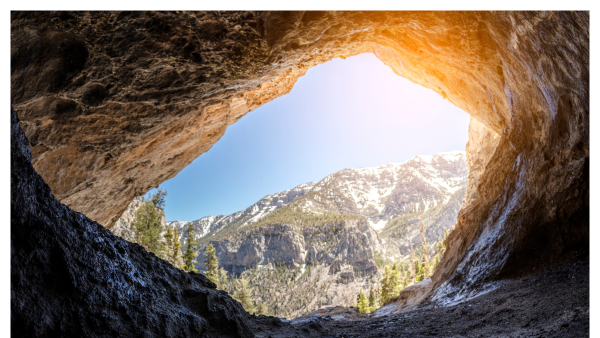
[(177, 80)]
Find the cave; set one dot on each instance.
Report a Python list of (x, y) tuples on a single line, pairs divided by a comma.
[(111, 104)]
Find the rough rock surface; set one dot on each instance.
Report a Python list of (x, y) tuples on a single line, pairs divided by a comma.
[(348, 242), (275, 244), (480, 148), (101, 98), (71, 277)]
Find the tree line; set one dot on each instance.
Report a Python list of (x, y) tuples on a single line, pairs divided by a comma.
[(148, 232), (399, 276)]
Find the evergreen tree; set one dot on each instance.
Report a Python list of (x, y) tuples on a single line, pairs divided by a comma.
[(172, 247), (147, 223), (242, 295), (372, 300), (176, 250), (261, 309), (168, 242), (362, 302), (386, 290), (412, 257), (190, 252), (223, 279), (211, 264), (395, 281), (425, 260), (420, 270)]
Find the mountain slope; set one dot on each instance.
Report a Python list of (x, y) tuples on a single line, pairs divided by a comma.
[(377, 193)]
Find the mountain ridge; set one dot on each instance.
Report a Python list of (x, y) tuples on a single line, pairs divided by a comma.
[(368, 201)]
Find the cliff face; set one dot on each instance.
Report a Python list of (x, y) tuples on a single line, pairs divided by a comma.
[(386, 196), (101, 98), (72, 277), (348, 242), (276, 244)]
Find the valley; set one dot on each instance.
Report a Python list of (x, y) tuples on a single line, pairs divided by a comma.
[(333, 238)]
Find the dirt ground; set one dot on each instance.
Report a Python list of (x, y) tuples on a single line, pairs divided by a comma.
[(553, 302)]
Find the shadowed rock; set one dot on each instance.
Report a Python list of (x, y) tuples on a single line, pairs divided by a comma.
[(71, 277)]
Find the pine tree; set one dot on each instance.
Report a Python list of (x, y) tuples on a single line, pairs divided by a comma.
[(223, 279), (386, 291), (168, 239), (242, 295), (172, 247), (417, 271), (147, 223), (395, 281), (176, 255), (261, 309), (211, 264), (362, 302), (190, 252), (372, 300), (425, 260), (420, 270)]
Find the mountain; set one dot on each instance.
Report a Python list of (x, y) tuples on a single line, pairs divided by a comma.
[(384, 197), (320, 243)]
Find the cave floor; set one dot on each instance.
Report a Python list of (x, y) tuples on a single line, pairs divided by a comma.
[(553, 302)]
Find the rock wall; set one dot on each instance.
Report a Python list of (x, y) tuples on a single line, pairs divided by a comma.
[(71, 277), (276, 244), (121, 102), (480, 148), (348, 242)]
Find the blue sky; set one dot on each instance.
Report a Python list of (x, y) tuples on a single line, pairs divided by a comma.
[(342, 114)]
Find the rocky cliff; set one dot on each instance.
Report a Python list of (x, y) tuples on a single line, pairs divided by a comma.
[(72, 277), (386, 197), (122, 101)]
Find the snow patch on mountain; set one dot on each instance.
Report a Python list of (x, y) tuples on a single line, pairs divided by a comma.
[(377, 193)]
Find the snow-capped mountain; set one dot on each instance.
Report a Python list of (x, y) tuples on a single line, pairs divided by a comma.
[(377, 193), (252, 214)]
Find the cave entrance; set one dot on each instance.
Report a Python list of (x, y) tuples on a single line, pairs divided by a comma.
[(353, 121)]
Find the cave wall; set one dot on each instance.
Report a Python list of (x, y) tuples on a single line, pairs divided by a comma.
[(71, 277), (120, 102)]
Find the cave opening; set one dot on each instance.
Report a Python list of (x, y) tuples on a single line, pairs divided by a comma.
[(523, 75), (390, 146)]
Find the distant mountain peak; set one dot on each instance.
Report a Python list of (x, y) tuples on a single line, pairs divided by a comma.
[(377, 193)]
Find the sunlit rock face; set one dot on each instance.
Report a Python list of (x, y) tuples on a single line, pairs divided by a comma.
[(480, 148), (116, 103)]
